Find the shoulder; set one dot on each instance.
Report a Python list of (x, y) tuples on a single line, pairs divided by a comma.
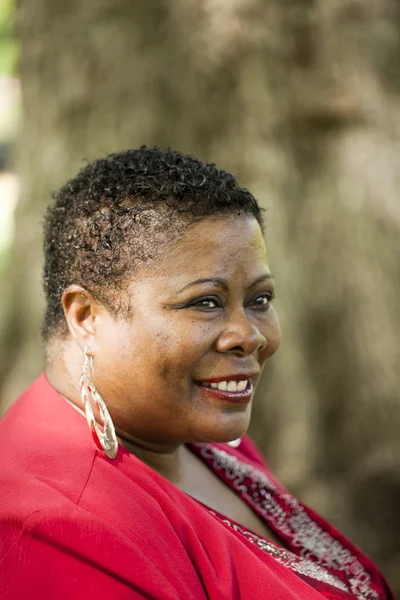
[(72, 521), (44, 447), (48, 461)]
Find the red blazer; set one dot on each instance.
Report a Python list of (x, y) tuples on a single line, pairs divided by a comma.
[(75, 524)]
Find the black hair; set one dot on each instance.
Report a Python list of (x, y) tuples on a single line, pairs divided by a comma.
[(118, 212)]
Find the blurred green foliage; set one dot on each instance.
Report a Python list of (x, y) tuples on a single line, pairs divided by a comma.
[(8, 43), (8, 123)]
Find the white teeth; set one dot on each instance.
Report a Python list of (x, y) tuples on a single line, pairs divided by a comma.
[(228, 386), (241, 386)]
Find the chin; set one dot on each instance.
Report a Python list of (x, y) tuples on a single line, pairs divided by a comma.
[(222, 434)]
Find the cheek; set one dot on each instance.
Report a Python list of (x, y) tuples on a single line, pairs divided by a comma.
[(272, 334), (170, 355)]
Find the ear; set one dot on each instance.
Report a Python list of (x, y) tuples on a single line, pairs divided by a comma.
[(81, 312)]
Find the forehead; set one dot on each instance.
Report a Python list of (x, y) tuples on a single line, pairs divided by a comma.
[(219, 246)]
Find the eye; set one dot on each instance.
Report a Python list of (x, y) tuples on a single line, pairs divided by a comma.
[(208, 302), (263, 300)]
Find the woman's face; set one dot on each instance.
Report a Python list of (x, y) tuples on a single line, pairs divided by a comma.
[(200, 316)]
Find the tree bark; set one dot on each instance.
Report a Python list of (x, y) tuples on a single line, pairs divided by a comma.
[(300, 100)]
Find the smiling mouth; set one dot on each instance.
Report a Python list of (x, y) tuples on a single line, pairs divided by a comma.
[(229, 391)]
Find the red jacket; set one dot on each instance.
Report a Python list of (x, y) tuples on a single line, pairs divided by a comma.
[(75, 524)]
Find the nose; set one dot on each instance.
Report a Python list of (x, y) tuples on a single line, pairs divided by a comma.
[(241, 336)]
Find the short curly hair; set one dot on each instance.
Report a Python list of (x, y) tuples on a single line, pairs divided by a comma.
[(119, 212)]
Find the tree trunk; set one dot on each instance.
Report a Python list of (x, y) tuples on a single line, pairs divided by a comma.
[(300, 100)]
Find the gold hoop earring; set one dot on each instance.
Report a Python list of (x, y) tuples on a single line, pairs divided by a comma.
[(104, 437)]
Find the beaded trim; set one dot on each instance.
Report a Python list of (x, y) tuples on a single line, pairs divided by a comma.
[(291, 520), (288, 559)]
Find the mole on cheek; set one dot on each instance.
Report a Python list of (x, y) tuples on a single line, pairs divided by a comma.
[(162, 338)]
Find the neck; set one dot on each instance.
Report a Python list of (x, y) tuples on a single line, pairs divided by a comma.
[(168, 463)]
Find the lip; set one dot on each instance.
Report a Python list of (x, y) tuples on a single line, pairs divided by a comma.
[(231, 397)]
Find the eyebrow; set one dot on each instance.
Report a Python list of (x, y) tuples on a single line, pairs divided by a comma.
[(223, 283)]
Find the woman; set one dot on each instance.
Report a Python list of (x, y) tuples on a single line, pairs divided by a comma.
[(158, 323)]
